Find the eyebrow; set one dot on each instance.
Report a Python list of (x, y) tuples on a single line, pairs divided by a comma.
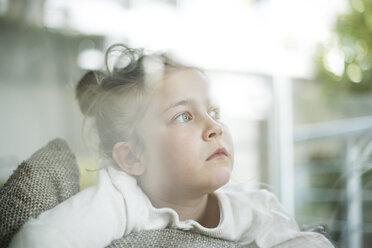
[(185, 102)]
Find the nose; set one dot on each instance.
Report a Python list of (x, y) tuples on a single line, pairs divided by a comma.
[(213, 129)]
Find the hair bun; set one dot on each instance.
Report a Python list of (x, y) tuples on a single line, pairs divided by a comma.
[(122, 59), (87, 91)]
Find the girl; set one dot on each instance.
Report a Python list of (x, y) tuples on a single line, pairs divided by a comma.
[(168, 160)]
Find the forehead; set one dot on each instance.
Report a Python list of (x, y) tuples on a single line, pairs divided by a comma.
[(183, 84), (177, 86)]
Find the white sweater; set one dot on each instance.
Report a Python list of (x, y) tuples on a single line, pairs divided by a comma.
[(117, 206)]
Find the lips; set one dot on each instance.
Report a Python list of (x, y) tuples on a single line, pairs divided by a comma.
[(220, 152)]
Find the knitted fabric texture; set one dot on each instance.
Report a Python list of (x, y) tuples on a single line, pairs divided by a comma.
[(170, 238), (48, 177)]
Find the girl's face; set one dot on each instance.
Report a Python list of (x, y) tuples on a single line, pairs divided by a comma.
[(181, 131)]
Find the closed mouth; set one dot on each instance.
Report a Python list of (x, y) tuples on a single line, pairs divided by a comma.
[(219, 152)]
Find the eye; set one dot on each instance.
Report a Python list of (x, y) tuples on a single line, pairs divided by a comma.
[(215, 113), (184, 117)]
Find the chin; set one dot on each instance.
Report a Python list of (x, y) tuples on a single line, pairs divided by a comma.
[(220, 179)]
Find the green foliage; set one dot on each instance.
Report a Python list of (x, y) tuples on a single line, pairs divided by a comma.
[(346, 63)]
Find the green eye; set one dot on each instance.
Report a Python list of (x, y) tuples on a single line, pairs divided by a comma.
[(215, 113), (184, 117)]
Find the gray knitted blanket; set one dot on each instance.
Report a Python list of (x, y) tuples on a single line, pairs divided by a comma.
[(50, 176)]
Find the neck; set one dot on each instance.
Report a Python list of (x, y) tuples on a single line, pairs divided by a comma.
[(203, 209)]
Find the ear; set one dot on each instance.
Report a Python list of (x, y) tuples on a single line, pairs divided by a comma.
[(127, 160)]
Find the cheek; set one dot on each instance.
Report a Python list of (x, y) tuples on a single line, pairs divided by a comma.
[(180, 148), (176, 155)]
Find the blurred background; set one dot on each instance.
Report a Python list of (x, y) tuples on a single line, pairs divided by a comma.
[(293, 77)]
